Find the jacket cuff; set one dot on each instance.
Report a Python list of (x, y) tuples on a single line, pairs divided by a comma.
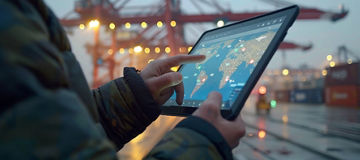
[(141, 93), (210, 132)]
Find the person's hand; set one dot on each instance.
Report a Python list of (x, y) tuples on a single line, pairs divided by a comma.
[(162, 81), (209, 110)]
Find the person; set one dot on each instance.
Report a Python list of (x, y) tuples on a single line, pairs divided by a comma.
[(49, 112)]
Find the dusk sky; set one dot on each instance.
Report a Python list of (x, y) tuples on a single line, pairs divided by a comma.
[(325, 35)]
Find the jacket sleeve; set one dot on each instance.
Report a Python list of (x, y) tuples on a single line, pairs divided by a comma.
[(192, 138), (125, 107), (40, 118)]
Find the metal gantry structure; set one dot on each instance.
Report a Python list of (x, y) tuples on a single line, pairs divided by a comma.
[(155, 30)]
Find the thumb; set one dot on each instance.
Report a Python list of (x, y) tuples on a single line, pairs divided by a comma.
[(210, 108), (164, 81)]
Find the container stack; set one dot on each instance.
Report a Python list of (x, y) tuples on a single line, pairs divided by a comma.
[(308, 87), (342, 85), (309, 96)]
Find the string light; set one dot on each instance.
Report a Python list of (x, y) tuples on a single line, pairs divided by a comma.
[(173, 23), (159, 24), (112, 26), (82, 26), (94, 24), (127, 25), (332, 64), (324, 72), (122, 50), (143, 25), (147, 50), (285, 72), (167, 50), (138, 49), (157, 50)]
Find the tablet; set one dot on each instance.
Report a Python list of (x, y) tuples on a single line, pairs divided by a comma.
[(236, 56)]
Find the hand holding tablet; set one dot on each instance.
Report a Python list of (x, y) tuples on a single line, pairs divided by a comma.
[(236, 56)]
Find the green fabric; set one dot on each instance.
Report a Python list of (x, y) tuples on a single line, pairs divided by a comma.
[(48, 111), (183, 143)]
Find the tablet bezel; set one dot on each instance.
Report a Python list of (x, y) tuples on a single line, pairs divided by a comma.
[(291, 13)]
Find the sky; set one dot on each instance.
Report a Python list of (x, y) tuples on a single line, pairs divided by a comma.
[(325, 35)]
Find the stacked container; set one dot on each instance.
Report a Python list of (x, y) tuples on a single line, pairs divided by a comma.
[(342, 85), (311, 96)]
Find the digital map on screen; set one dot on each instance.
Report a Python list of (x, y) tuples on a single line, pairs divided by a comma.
[(229, 62)]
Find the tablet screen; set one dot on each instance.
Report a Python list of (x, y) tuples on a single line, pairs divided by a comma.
[(232, 53)]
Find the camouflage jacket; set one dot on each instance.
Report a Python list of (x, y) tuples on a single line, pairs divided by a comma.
[(48, 111)]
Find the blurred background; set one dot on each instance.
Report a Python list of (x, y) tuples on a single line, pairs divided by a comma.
[(305, 105)]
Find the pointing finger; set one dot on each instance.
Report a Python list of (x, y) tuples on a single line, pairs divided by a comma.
[(166, 80), (180, 59)]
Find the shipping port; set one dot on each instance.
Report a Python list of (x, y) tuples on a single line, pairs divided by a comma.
[(310, 92)]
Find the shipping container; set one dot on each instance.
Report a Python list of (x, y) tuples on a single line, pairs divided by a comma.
[(314, 96), (281, 95), (342, 96), (309, 84), (346, 74)]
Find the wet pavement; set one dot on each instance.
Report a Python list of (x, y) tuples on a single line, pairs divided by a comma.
[(290, 131), (301, 131)]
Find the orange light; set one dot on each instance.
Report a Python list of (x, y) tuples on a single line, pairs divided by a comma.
[(324, 72), (332, 64), (112, 26), (94, 24), (147, 50), (159, 24), (261, 134), (82, 26), (182, 49), (173, 23), (167, 50), (110, 51), (262, 90), (131, 50), (285, 72), (157, 50), (143, 24), (285, 118), (138, 49), (122, 50), (127, 25)]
